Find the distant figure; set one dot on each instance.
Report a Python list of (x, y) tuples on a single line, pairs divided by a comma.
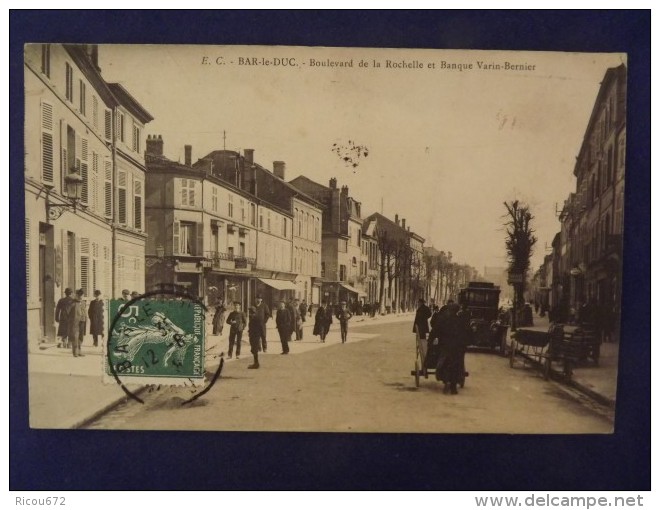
[(254, 334), (77, 324), (422, 316), (322, 321), (284, 326), (344, 315), (262, 313), (219, 317), (297, 320), (125, 295), (237, 321), (62, 316), (303, 310), (95, 313)]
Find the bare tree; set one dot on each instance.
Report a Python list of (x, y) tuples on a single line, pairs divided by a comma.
[(520, 241)]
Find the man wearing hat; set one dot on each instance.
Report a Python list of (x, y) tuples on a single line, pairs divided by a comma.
[(62, 317), (261, 314), (125, 295), (95, 313), (135, 294), (77, 324), (422, 317)]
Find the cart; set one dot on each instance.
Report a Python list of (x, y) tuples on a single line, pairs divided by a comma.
[(427, 354), (530, 343), (570, 345)]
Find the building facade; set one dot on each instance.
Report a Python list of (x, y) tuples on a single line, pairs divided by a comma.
[(341, 236), (592, 217), (72, 156)]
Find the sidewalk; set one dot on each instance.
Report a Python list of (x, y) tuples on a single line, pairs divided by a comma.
[(66, 392), (599, 382)]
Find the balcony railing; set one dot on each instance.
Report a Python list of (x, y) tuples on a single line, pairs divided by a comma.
[(217, 258)]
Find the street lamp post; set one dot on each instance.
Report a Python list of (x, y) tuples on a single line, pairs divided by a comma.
[(73, 185)]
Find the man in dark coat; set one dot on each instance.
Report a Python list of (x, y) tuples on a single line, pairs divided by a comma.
[(297, 320), (452, 348), (422, 317), (284, 326), (62, 316), (262, 314), (322, 321), (95, 313)]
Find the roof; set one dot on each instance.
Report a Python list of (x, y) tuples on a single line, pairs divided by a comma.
[(130, 103), (320, 187), (92, 73)]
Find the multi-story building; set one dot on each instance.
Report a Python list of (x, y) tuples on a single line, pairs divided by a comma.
[(592, 217), (289, 226), (341, 240), (369, 262), (73, 157)]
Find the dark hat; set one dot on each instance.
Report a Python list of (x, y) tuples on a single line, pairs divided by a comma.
[(80, 292), (68, 291), (258, 297), (97, 292), (422, 300), (135, 293), (125, 291)]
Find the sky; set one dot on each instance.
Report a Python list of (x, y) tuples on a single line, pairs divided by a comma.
[(448, 141)]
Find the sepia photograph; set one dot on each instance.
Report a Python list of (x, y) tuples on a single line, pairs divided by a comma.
[(316, 239)]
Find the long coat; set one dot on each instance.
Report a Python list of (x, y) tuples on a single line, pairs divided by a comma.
[(322, 321), (78, 315), (283, 321), (422, 320), (95, 314), (63, 314), (219, 319)]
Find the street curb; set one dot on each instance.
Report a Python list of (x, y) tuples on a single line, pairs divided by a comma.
[(105, 409), (559, 376)]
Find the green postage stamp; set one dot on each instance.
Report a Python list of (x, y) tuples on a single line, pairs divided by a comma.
[(155, 341)]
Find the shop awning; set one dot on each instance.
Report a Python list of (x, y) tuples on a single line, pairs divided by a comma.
[(353, 289), (278, 284)]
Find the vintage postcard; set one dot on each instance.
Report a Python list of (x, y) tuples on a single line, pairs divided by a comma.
[(251, 238)]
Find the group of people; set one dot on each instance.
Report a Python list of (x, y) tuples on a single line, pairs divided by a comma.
[(448, 337), (71, 314), (289, 319)]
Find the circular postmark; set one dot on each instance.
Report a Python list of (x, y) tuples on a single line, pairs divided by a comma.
[(158, 338)]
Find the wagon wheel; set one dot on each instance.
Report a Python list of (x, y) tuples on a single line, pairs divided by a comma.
[(416, 373), (512, 354)]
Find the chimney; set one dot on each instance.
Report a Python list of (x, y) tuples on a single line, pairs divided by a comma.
[(344, 190), (278, 169), (333, 183), (403, 224), (188, 154), (155, 145), (396, 219), (249, 156)]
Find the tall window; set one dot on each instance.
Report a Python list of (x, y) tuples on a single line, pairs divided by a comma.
[(69, 82), (45, 59), (241, 249), (214, 199), (95, 112), (121, 196), (137, 203), (230, 206), (261, 218), (136, 138), (342, 273), (268, 221), (316, 230), (253, 215), (242, 210), (188, 192), (186, 238), (284, 227), (121, 127), (83, 98)]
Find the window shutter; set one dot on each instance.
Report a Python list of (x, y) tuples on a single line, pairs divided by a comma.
[(84, 265), (84, 171), (27, 258), (175, 237), (200, 239), (108, 125), (63, 149), (95, 182), (137, 204), (47, 149), (191, 193), (107, 272), (121, 197), (95, 112), (107, 187)]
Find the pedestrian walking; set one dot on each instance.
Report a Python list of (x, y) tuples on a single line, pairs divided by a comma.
[(451, 346), (284, 326), (62, 316), (322, 321), (219, 317), (344, 315), (262, 313), (95, 314), (295, 308), (77, 324), (422, 316), (310, 309), (237, 321), (254, 334)]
